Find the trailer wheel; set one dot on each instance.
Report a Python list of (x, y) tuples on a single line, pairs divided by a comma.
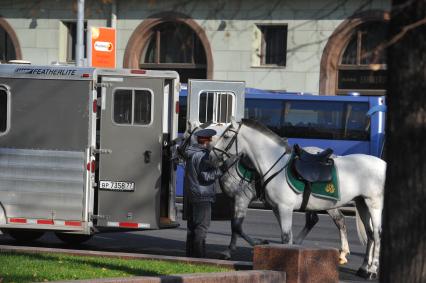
[(73, 239), (24, 235)]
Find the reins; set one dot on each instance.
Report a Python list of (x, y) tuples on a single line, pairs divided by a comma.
[(276, 173)]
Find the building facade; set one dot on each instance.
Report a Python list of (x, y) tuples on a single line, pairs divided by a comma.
[(316, 46)]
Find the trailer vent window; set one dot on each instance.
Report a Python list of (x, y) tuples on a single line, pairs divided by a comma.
[(216, 107), (142, 107), (206, 107), (123, 106), (132, 106), (4, 111)]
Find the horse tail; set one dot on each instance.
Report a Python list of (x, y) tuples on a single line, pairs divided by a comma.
[(360, 228)]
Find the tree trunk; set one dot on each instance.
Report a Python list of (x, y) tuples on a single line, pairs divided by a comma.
[(403, 252)]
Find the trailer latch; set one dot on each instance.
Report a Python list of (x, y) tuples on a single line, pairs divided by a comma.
[(103, 85), (94, 216), (101, 150)]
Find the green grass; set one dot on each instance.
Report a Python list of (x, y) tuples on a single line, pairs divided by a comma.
[(23, 267)]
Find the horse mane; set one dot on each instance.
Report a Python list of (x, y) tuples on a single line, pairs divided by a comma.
[(266, 131)]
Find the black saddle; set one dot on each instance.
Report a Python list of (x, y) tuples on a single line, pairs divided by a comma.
[(313, 167)]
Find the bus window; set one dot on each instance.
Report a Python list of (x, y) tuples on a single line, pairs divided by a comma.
[(334, 120), (357, 123), (313, 119), (268, 112)]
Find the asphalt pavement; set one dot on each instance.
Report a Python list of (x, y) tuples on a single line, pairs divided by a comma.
[(259, 223)]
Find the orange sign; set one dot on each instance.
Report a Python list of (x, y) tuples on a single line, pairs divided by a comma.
[(102, 47)]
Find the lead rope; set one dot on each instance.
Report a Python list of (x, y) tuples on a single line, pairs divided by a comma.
[(181, 149)]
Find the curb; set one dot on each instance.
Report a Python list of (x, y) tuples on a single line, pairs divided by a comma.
[(252, 276), (235, 265)]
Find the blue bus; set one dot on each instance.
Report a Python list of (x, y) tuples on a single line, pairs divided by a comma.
[(347, 124)]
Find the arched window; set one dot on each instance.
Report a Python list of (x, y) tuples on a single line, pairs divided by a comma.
[(7, 48), (362, 66), (175, 46)]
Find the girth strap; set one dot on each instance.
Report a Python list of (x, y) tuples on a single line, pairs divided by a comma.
[(306, 194)]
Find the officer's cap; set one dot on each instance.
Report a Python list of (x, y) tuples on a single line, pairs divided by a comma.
[(205, 133)]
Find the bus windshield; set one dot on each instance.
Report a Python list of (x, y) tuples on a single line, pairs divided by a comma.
[(334, 120)]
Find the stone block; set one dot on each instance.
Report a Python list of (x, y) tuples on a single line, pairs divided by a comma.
[(301, 264)]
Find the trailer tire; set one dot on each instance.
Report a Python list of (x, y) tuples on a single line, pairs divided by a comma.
[(73, 239), (24, 235)]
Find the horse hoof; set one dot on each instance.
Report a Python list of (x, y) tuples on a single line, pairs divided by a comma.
[(226, 255), (261, 242), (366, 274), (343, 261)]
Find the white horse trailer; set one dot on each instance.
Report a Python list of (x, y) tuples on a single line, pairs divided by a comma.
[(84, 150)]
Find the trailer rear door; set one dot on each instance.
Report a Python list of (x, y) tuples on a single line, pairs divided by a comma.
[(131, 152), (216, 102)]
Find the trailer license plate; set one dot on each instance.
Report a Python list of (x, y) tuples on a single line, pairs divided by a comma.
[(117, 186)]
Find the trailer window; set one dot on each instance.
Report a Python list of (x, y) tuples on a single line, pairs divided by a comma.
[(4, 111), (142, 107), (216, 107), (123, 106), (132, 106)]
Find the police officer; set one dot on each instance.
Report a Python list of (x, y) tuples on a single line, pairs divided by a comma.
[(200, 177)]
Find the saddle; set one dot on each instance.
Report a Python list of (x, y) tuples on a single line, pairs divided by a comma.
[(313, 167)]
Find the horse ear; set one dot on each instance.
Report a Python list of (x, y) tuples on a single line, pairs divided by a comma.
[(188, 126), (234, 122), (191, 125)]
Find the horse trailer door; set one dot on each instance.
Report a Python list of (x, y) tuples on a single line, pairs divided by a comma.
[(216, 102), (130, 159)]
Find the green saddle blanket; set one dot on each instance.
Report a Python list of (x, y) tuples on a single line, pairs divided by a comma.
[(328, 190)]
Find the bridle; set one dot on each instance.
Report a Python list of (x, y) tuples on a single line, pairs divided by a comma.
[(235, 139), (229, 145)]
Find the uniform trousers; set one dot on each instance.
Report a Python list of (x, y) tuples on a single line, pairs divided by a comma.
[(199, 215)]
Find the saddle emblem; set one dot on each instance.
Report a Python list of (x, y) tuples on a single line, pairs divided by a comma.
[(330, 188)]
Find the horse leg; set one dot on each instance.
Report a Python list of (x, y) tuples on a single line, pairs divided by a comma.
[(241, 203), (285, 216), (339, 220), (375, 208), (311, 218), (240, 210), (227, 254), (364, 214)]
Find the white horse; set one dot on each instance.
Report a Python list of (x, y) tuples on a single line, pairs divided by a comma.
[(243, 192), (361, 178), (241, 187)]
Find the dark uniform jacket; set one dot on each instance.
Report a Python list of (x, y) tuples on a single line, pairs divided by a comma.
[(200, 174)]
